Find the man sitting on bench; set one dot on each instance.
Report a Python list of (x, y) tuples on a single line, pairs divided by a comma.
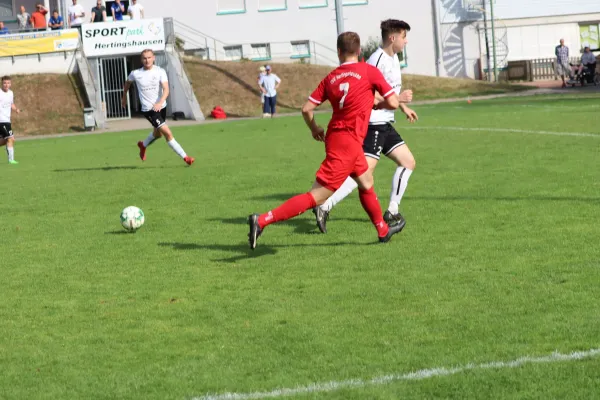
[(587, 60)]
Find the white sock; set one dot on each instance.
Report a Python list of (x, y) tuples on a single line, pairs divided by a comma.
[(347, 187), (10, 151), (149, 140), (177, 148), (399, 184)]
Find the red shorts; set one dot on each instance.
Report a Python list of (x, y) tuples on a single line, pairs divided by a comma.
[(344, 157)]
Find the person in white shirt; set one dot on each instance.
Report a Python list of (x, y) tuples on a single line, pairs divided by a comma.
[(153, 89), (269, 83), (76, 14), (136, 10), (381, 135), (7, 104)]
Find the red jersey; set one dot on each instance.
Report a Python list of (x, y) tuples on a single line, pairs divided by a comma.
[(350, 88)]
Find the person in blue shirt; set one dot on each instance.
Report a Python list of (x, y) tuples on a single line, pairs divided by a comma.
[(118, 9), (56, 21), (3, 30)]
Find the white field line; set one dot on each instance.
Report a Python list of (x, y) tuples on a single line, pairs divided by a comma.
[(505, 130), (411, 376)]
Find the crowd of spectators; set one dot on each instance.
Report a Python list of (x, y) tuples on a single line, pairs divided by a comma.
[(39, 20)]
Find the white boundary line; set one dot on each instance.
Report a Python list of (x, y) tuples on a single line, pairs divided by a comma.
[(411, 376), (505, 130)]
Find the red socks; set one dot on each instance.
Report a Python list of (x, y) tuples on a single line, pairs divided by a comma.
[(290, 209), (298, 204), (370, 203)]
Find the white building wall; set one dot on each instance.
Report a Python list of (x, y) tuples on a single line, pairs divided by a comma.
[(458, 10), (539, 41), (50, 63), (294, 24)]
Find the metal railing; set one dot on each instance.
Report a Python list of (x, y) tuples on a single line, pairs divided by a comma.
[(213, 49)]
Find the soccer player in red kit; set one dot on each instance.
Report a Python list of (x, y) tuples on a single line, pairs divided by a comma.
[(350, 89)]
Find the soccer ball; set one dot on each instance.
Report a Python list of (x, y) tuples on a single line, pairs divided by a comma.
[(132, 218)]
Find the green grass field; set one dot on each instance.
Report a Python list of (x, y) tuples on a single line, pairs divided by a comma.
[(499, 260)]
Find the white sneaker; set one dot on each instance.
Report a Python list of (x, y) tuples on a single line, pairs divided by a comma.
[(266, 115)]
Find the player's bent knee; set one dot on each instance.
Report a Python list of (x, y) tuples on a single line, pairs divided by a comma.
[(365, 181), (410, 164)]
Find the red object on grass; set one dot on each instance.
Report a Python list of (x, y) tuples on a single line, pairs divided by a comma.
[(218, 113)]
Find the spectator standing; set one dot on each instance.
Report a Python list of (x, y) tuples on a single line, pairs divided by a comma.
[(24, 19), (76, 14), (117, 10), (269, 84), (38, 18), (3, 30), (136, 10), (98, 12), (56, 21), (562, 62), (261, 73)]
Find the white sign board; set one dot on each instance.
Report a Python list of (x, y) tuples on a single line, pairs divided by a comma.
[(123, 37)]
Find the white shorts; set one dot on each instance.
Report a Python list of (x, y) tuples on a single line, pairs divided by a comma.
[(563, 69)]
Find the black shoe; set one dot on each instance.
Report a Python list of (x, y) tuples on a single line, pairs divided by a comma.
[(255, 230), (322, 217), (392, 219), (393, 229)]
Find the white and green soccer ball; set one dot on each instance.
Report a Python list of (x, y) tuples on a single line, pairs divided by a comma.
[(132, 218)]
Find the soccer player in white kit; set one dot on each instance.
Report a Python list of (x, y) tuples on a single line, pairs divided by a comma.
[(153, 88), (7, 104), (381, 136)]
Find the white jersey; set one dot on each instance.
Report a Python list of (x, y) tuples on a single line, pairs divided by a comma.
[(149, 85), (6, 102), (390, 68)]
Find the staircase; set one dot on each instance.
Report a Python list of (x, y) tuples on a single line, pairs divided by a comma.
[(90, 84)]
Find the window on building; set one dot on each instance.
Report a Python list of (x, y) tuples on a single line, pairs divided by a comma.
[(233, 53), (261, 52), (355, 2), (272, 5), (231, 6), (6, 9), (301, 49), (312, 3)]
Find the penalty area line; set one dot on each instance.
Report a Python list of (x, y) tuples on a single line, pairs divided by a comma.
[(410, 376), (505, 130)]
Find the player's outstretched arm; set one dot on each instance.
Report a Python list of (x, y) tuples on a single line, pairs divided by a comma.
[(308, 113)]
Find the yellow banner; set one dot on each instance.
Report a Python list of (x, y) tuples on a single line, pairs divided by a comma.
[(38, 42)]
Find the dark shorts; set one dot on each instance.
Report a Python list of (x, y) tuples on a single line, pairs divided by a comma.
[(157, 119), (381, 139), (5, 130)]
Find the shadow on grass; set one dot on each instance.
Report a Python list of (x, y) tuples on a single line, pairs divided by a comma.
[(113, 168), (244, 250), (300, 225), (276, 196), (120, 232)]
